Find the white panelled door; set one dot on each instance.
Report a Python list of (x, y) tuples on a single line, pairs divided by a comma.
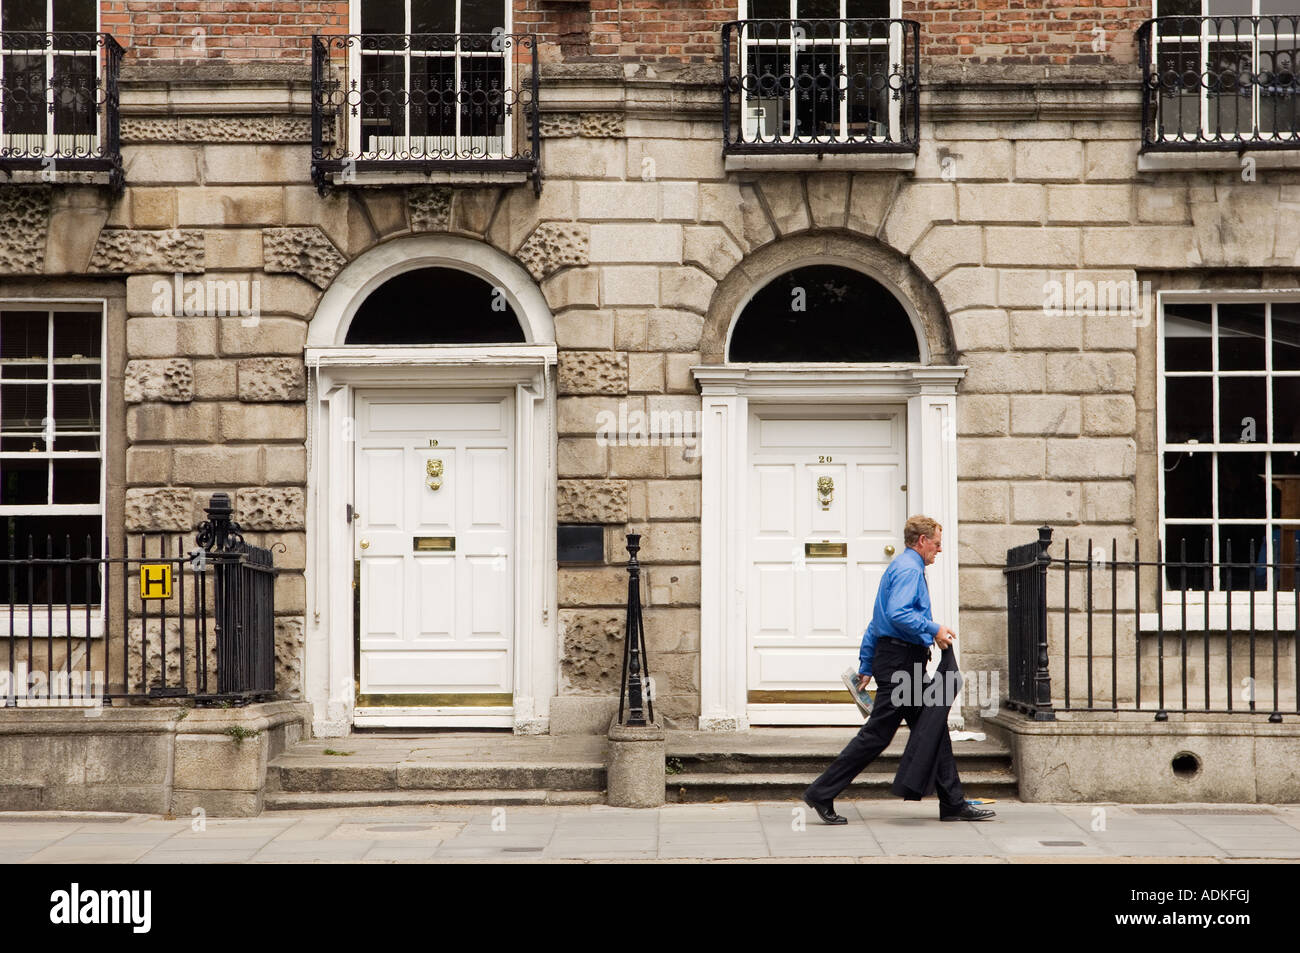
[(827, 501), (433, 537)]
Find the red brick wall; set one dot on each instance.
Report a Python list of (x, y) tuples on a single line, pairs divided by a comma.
[(216, 30), (1047, 32), (684, 31)]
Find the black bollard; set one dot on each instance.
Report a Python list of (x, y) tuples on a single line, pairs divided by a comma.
[(632, 698)]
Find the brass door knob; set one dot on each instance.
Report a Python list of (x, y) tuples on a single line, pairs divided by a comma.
[(365, 544), (889, 550)]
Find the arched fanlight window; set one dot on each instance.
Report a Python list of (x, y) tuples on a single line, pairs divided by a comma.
[(824, 313), (435, 306)]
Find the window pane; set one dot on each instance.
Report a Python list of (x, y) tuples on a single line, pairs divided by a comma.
[(768, 10), (1187, 485), (1228, 82), (480, 16), (383, 118), (75, 95), (76, 334), (76, 407), (1242, 550), (74, 16), (1286, 336), (868, 106), (383, 16), (866, 8), (78, 534), (1241, 337), (23, 15), (437, 16), (22, 408), (1286, 410), (816, 83), (1178, 8), (1190, 541), (1241, 486), (818, 9), (76, 481), (23, 335), (1286, 485), (1242, 410), (1188, 415), (1230, 7), (1187, 337), (24, 98), (85, 443), (24, 481)]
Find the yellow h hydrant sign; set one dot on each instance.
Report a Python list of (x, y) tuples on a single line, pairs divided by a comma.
[(155, 580)]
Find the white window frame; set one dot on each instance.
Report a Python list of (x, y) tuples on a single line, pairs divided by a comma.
[(1203, 47), (842, 44), (41, 623), (461, 146), (78, 145), (1218, 598)]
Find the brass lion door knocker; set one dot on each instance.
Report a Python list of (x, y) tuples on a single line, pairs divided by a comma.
[(434, 470), (825, 491)]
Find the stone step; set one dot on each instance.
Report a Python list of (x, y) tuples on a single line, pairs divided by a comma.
[(703, 788), (327, 800), (307, 774), (813, 763)]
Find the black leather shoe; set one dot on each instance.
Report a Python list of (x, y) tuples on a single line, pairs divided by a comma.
[(969, 813), (826, 812)]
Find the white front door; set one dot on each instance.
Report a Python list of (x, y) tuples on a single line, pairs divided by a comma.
[(827, 501), (433, 538)]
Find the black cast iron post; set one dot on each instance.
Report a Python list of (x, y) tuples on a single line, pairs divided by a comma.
[(632, 699)]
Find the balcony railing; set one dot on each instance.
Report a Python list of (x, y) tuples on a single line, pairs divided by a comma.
[(1226, 82), (424, 103), (59, 104), (820, 86), (1106, 631)]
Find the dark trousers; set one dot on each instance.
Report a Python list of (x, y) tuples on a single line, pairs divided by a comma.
[(873, 737)]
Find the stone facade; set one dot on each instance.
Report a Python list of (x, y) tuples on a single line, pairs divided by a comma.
[(639, 238)]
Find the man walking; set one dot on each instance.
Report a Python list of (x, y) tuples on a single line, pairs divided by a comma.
[(896, 647)]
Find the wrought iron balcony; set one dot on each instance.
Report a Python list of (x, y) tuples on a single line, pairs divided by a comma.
[(820, 86), (59, 105), (424, 103), (1226, 82)]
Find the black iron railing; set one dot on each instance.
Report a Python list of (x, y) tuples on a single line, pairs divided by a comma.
[(1182, 632), (156, 620), (1225, 82), (426, 103), (59, 104), (820, 86)]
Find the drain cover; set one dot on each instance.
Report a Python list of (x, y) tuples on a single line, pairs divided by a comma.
[(1062, 843)]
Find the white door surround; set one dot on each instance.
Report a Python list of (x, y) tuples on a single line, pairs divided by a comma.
[(335, 372), (728, 392)]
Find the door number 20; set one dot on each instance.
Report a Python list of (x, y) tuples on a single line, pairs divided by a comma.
[(823, 459)]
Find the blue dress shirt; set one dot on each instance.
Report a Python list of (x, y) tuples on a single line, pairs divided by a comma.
[(902, 609)]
